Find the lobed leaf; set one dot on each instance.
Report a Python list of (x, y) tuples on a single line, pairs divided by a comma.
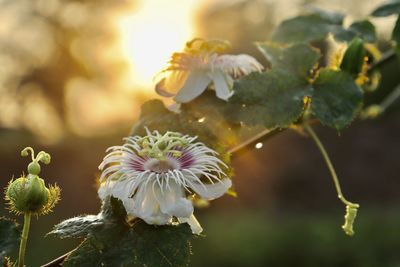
[(117, 243), (273, 99), (298, 59), (10, 234), (336, 99)]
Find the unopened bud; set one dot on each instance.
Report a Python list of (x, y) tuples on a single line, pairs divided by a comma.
[(27, 194), (30, 194)]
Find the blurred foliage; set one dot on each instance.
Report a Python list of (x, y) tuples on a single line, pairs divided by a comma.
[(10, 233), (256, 240), (53, 53)]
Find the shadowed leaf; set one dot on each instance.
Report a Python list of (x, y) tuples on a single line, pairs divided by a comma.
[(308, 28), (316, 27)]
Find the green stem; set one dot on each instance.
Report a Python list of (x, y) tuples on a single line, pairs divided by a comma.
[(330, 166), (391, 98), (24, 239)]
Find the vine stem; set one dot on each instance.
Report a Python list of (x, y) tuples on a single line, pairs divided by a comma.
[(391, 98), (386, 57), (329, 164), (24, 239)]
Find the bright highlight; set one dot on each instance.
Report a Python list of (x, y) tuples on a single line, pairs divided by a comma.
[(151, 33)]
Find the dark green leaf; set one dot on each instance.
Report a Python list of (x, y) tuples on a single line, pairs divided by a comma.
[(337, 99), (316, 27), (299, 59), (273, 99), (307, 28), (364, 29), (354, 57), (78, 226), (9, 238), (387, 9), (112, 241)]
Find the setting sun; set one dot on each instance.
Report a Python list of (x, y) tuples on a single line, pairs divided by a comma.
[(151, 32)]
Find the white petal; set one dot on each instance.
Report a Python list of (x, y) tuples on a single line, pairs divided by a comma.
[(172, 83), (195, 84), (145, 206), (103, 191), (173, 201), (238, 65), (122, 189), (222, 83), (193, 223), (211, 191)]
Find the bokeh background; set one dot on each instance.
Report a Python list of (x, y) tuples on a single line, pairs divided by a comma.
[(74, 73)]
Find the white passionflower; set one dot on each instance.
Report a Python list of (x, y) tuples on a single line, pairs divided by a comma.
[(154, 174), (189, 73)]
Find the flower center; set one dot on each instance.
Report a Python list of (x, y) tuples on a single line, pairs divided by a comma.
[(159, 146), (161, 166)]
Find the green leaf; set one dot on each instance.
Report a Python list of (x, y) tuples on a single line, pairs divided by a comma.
[(273, 99), (118, 242), (10, 234), (363, 29), (307, 28), (387, 9), (316, 27), (298, 59), (337, 99), (354, 57), (78, 226)]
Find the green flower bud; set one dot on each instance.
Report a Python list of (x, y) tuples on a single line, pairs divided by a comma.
[(27, 194), (30, 194)]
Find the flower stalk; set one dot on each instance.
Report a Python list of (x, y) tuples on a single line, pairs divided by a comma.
[(24, 239), (351, 208)]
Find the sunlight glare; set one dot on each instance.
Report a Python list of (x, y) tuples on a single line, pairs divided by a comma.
[(151, 33)]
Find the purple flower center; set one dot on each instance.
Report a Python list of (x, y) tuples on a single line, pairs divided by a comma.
[(184, 161)]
